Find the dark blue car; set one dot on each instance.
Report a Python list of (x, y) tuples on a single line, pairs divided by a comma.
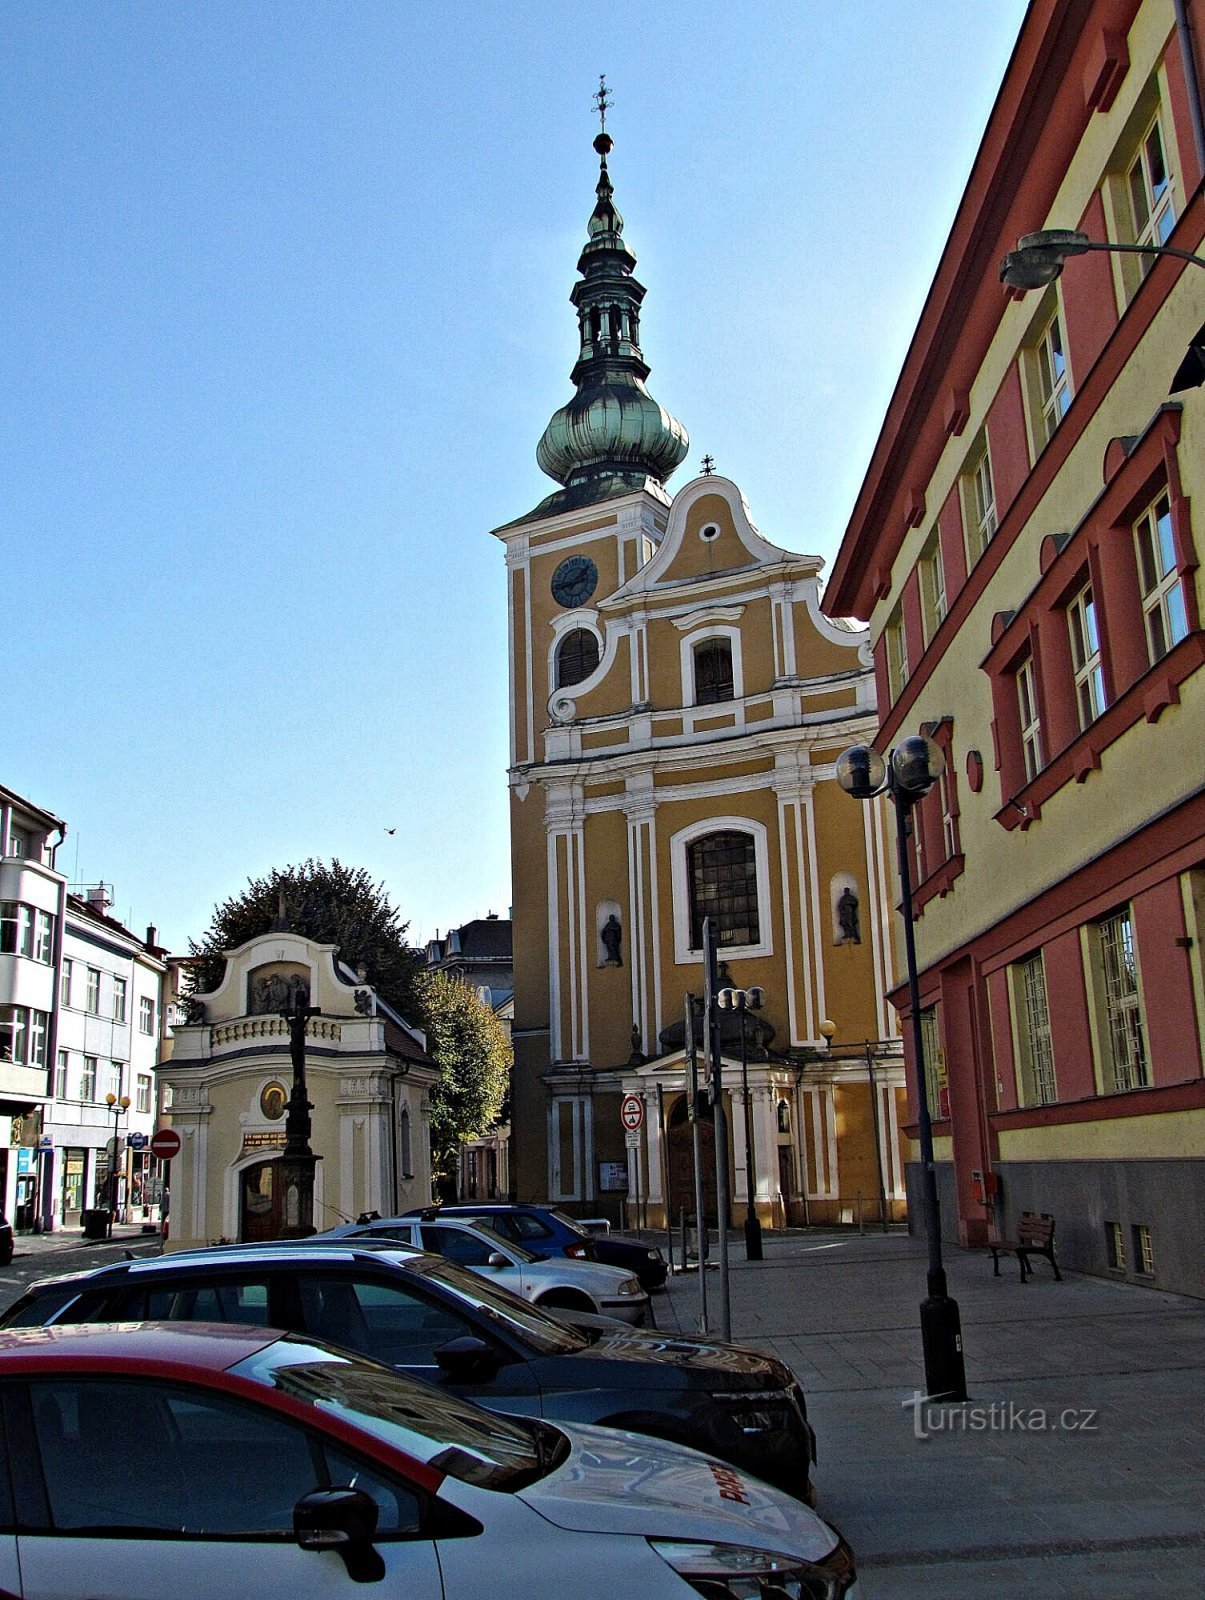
[(547, 1232)]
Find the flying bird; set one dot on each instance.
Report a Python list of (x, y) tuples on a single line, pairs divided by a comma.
[(390, 830)]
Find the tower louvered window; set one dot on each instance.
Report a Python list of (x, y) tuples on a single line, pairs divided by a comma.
[(576, 657), (713, 672)]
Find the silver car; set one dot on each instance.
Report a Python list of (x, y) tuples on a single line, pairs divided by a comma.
[(564, 1283)]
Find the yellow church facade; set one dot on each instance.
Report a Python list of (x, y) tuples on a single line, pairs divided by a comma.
[(677, 703)]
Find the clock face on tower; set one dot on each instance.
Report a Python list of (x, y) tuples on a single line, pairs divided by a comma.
[(574, 581)]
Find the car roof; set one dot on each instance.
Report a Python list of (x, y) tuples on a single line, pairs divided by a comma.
[(272, 1252), (215, 1347)]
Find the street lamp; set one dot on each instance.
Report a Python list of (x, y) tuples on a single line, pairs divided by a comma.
[(116, 1106), (1040, 257), (743, 1001), (907, 775)]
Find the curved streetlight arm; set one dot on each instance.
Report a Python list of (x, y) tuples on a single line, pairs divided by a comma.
[(1040, 257)]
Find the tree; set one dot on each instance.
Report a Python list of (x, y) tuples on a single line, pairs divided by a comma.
[(331, 904), (473, 1054)]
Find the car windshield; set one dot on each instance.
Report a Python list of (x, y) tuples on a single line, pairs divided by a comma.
[(546, 1334), (428, 1424), (568, 1222)]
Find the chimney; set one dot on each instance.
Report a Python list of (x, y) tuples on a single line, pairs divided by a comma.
[(98, 897), (152, 936)]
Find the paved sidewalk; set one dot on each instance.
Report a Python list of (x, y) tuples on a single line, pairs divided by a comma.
[(1077, 1466), (67, 1240)]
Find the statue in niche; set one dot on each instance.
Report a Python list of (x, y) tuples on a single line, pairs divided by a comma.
[(848, 918), (611, 934), (636, 1059)]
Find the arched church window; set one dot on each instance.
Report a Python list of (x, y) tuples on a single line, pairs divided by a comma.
[(576, 657), (722, 880), (713, 672)]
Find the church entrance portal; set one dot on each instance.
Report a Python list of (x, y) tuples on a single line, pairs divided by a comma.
[(680, 1160), (261, 1204)]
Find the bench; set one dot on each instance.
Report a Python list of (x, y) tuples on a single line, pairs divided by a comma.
[(1035, 1237)]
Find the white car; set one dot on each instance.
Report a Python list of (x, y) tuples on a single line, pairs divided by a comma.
[(561, 1283), (200, 1459)]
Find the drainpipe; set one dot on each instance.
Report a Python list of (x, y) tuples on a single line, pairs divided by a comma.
[(1192, 77)]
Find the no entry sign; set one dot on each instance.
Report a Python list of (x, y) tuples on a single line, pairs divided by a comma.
[(165, 1144), (631, 1112)]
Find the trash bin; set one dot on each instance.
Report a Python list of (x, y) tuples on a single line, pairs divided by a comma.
[(96, 1224)]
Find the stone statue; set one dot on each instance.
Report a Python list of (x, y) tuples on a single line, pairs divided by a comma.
[(848, 918), (636, 1059), (611, 935)]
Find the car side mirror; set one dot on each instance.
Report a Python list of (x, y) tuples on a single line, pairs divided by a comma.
[(467, 1357), (497, 1259), (344, 1520)]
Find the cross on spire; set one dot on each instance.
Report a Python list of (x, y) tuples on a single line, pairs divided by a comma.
[(602, 103), (708, 466)]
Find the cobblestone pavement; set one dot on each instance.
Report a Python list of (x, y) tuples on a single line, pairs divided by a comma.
[(1076, 1467)]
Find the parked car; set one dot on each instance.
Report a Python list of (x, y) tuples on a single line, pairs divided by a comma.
[(548, 1232), (434, 1320), (7, 1243), (137, 1457), (572, 1285)]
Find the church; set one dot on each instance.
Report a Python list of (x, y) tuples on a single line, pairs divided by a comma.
[(677, 703)]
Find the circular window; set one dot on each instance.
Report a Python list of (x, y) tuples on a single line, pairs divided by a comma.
[(710, 531)]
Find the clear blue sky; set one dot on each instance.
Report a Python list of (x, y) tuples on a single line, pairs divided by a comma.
[(285, 291)]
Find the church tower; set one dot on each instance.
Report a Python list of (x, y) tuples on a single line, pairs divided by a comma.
[(677, 701)]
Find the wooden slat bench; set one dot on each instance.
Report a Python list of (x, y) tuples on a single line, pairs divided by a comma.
[(1035, 1237)]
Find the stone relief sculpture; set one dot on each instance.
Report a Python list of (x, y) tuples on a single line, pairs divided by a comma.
[(276, 993)]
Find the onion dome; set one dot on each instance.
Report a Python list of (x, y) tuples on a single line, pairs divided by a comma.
[(612, 436)]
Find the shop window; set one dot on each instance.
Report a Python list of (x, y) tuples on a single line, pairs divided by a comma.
[(1087, 666), (577, 656), (1159, 579)]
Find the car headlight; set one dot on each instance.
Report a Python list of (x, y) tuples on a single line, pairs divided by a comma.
[(655, 1255), (630, 1286), (736, 1572)]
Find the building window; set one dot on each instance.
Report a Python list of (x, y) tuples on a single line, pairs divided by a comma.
[(1054, 381), (87, 1088), (1031, 726), (1115, 1248), (1085, 657), (116, 1076), (119, 999), (895, 644), (143, 1101), (713, 672), (1152, 196), (16, 929), (93, 1003), (1127, 1064), (60, 1076), (146, 1015), (932, 586), (68, 977), (43, 937), (1144, 1250), (576, 657), (979, 499), (18, 843), (935, 1075), (722, 882), (23, 1035), (1162, 590), (1037, 1050)]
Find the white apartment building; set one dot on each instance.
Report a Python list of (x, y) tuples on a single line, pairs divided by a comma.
[(80, 1012)]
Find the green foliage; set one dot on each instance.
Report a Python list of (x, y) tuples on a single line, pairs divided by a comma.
[(473, 1053), (331, 904)]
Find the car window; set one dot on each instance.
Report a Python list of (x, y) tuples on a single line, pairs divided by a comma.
[(455, 1245), (227, 1300), (402, 1231), (123, 1454), (527, 1227), (570, 1223), (384, 1320)]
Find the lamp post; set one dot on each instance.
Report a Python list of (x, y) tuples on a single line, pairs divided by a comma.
[(116, 1106), (908, 774), (742, 1001)]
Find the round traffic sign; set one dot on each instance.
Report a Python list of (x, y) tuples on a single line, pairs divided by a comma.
[(165, 1144), (631, 1112)]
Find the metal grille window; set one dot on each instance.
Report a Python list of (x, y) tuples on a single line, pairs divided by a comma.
[(576, 657), (1144, 1249), (1086, 661), (934, 1073), (1127, 1038), (713, 672), (1115, 1247), (722, 878), (1031, 727), (1054, 381), (1162, 591), (1038, 1048)]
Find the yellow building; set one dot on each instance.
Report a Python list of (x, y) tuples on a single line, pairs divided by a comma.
[(1025, 550), (677, 703)]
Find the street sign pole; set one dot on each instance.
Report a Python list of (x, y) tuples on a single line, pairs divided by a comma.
[(711, 1012), (692, 1056)]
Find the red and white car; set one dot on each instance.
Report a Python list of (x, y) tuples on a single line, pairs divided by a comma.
[(201, 1460)]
